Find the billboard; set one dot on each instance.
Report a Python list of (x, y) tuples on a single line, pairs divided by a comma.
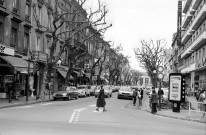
[(175, 87)]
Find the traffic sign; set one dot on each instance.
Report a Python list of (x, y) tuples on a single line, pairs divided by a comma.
[(160, 76), (160, 69)]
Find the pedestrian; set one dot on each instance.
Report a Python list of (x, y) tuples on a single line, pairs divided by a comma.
[(140, 96), (202, 99), (101, 99), (134, 96), (153, 100)]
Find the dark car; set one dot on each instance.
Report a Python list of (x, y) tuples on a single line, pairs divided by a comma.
[(66, 93)]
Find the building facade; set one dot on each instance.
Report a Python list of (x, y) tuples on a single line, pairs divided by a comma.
[(192, 52)]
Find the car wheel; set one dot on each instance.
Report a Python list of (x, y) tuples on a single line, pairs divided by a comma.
[(77, 98), (118, 97), (55, 99), (111, 95)]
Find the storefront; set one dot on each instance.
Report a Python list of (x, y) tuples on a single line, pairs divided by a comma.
[(13, 75)]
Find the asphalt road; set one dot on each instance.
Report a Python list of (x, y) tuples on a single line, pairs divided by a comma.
[(79, 117)]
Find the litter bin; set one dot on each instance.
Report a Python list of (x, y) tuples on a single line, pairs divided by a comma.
[(176, 107)]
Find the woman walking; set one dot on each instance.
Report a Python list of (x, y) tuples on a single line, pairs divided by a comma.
[(101, 99)]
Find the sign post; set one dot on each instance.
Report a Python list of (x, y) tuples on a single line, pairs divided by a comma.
[(160, 76), (176, 90)]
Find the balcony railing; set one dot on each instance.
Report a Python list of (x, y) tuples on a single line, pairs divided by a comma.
[(201, 62)]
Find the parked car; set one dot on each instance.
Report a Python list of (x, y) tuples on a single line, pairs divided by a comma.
[(125, 92), (83, 91), (96, 90), (66, 92), (92, 90), (116, 88), (107, 91)]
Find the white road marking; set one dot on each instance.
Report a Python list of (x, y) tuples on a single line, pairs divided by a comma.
[(76, 112), (22, 107), (47, 103), (92, 105), (72, 117)]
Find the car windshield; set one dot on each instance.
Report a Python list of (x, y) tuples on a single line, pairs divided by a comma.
[(126, 89), (81, 87)]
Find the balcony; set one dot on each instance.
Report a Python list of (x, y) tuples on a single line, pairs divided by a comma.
[(186, 6), (187, 35), (201, 64), (187, 19), (195, 4), (199, 41), (200, 17), (189, 68)]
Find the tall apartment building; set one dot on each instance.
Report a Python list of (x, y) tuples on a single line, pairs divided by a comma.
[(167, 64), (192, 52)]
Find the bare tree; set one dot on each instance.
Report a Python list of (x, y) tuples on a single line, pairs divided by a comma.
[(70, 24), (150, 55)]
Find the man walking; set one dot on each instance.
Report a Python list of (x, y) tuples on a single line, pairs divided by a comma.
[(153, 100), (134, 97), (140, 96)]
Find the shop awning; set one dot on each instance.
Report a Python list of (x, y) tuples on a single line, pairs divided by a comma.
[(16, 62), (23, 70), (64, 73)]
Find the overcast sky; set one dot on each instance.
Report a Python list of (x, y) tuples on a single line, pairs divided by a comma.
[(134, 20)]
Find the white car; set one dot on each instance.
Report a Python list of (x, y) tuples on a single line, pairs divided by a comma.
[(83, 91), (107, 91), (125, 92)]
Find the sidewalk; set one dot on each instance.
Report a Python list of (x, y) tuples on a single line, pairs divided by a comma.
[(182, 115), (4, 103)]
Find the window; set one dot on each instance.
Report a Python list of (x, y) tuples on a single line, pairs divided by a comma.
[(1, 32), (15, 6), (13, 37), (49, 21), (39, 14), (27, 10), (199, 54), (38, 43), (26, 42)]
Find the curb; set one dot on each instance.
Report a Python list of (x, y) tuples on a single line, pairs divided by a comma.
[(186, 119), (23, 103)]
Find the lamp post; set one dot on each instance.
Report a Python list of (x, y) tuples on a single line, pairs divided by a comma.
[(155, 83)]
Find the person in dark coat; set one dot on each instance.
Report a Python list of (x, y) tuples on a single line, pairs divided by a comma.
[(140, 96), (134, 97), (101, 99), (154, 100)]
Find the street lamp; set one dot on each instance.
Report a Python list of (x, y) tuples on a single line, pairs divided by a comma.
[(155, 72)]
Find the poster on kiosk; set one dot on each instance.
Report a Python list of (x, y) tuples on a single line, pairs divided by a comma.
[(176, 90)]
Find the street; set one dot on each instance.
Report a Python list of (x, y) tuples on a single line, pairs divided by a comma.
[(79, 117)]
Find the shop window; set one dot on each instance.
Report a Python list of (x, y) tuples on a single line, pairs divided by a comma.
[(1, 32), (13, 41)]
